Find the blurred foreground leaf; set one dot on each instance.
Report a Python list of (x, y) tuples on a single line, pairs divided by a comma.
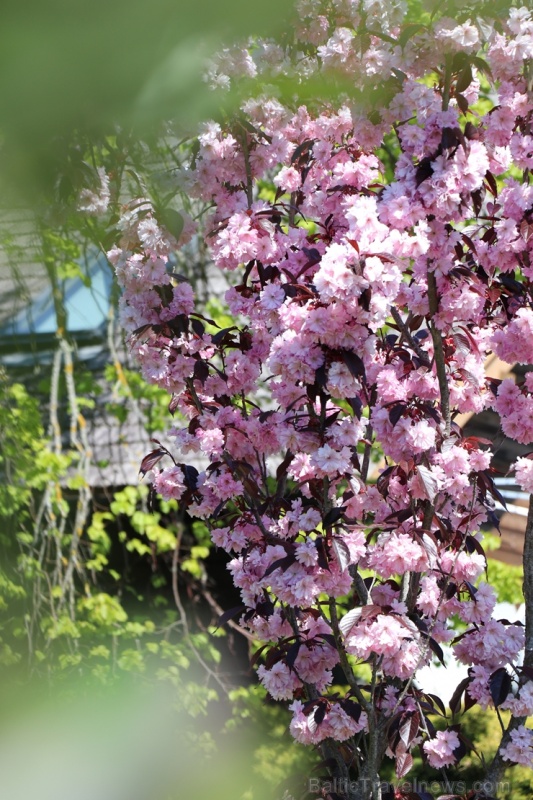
[(78, 66)]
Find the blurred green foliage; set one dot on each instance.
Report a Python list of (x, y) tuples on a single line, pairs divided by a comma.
[(102, 624), (76, 68)]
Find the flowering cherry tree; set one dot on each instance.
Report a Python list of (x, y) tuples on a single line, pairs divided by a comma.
[(364, 311)]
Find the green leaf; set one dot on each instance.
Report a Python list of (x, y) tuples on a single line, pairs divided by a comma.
[(173, 221)]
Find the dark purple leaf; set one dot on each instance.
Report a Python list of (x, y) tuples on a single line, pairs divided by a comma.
[(404, 762), (354, 363), (496, 493), (321, 376), (432, 412), (455, 700), (421, 624), (174, 403), (490, 234), (438, 702), (150, 460), (429, 482), (477, 202), (424, 170), (229, 614), (143, 329), (204, 318), (178, 277), (323, 561), (491, 183), (472, 545), (302, 150), (396, 412), (198, 327), (342, 552), (526, 230), (470, 702), (437, 649), (280, 563), (352, 709), (350, 619), (190, 474), (333, 515), (317, 716), (465, 78), (292, 654), (201, 370), (409, 725), (313, 255), (399, 516), (500, 684), (382, 482), (364, 299), (326, 637), (282, 468), (471, 132), (257, 655), (451, 138), (462, 102), (356, 405), (461, 749), (223, 337)]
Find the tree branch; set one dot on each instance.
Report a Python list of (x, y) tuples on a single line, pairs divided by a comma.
[(422, 355), (438, 349), (499, 764), (183, 617)]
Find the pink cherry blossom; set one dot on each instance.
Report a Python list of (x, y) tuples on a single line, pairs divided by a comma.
[(520, 748), (440, 749), (524, 474)]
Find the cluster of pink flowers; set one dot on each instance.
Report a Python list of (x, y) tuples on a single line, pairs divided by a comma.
[(514, 404), (364, 312), (440, 750), (520, 749), (336, 724), (513, 344), (524, 474)]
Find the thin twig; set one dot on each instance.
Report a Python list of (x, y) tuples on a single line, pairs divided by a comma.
[(247, 167), (422, 355), (345, 664), (183, 617), (368, 449), (438, 349), (230, 622)]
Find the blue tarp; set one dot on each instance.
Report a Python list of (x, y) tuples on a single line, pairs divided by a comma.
[(87, 307)]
